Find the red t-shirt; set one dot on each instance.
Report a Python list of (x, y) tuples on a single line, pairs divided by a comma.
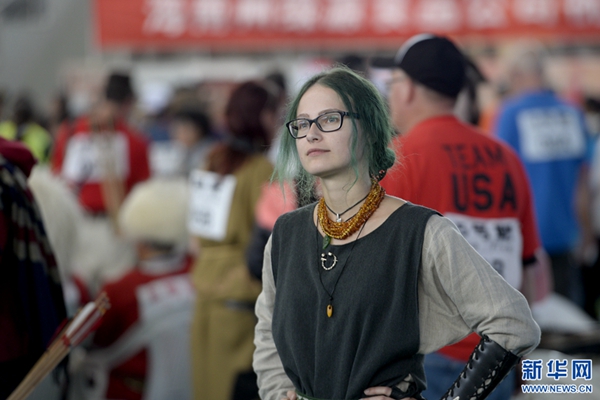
[(124, 312), (480, 184), (77, 157)]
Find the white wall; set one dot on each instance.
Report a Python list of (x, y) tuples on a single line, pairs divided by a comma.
[(33, 53)]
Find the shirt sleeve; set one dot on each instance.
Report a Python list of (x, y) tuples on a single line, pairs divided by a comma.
[(273, 383), (459, 292)]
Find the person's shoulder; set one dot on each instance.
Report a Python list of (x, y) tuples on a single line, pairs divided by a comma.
[(292, 218), (260, 160), (17, 154), (261, 166), (494, 141), (466, 133), (419, 210), (399, 209), (427, 133), (418, 135), (416, 142), (441, 227)]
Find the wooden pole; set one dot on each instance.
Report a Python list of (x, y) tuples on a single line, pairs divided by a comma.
[(84, 322)]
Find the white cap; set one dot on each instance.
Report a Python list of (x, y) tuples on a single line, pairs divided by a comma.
[(156, 211)]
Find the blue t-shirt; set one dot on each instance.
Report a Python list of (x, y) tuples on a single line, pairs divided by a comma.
[(551, 138)]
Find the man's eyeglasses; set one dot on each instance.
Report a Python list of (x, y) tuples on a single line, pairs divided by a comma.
[(328, 122)]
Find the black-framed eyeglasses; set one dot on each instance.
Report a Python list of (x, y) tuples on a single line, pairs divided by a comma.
[(328, 122)]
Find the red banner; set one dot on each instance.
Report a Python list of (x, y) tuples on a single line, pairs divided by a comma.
[(256, 25)]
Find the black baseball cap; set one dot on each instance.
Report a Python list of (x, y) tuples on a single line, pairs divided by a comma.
[(118, 87), (434, 61)]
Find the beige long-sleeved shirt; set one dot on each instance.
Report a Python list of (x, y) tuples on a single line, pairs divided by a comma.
[(459, 292)]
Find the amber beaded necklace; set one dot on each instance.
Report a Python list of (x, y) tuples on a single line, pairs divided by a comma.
[(344, 229), (338, 216)]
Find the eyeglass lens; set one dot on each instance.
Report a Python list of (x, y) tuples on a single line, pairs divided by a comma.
[(328, 122)]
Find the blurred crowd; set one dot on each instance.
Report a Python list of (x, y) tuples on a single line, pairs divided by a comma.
[(168, 212)]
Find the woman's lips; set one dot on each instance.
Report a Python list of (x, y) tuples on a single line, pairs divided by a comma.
[(315, 152)]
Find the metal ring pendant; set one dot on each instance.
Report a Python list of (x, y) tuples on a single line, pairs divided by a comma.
[(324, 260)]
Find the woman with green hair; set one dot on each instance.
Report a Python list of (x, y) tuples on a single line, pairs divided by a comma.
[(360, 285)]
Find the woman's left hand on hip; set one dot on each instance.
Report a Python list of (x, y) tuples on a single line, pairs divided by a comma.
[(382, 393)]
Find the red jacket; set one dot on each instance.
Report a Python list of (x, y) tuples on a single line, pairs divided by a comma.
[(129, 307), (73, 159)]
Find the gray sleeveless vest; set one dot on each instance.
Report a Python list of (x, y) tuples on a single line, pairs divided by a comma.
[(372, 338)]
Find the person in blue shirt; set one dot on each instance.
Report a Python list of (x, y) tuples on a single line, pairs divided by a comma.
[(550, 136)]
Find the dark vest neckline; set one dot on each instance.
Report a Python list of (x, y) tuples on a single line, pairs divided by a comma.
[(380, 228)]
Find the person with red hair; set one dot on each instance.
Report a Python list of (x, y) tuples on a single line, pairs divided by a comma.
[(224, 197)]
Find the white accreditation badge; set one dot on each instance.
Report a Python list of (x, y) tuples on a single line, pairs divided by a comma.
[(211, 195), (166, 158), (550, 134), (93, 157), (498, 240)]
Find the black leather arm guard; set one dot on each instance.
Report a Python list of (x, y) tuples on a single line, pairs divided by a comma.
[(489, 364)]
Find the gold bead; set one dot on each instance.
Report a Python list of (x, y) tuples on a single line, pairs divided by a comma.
[(342, 230)]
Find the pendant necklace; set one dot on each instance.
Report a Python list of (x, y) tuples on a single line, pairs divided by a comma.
[(338, 217), (342, 230), (330, 305)]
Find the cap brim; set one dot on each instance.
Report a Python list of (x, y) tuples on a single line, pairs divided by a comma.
[(383, 62)]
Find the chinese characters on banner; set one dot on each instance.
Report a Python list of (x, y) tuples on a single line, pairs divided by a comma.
[(276, 24)]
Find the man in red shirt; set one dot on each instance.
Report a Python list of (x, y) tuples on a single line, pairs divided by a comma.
[(476, 181), (100, 155)]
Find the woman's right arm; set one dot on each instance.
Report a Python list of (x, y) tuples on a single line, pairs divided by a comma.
[(273, 383), (460, 292)]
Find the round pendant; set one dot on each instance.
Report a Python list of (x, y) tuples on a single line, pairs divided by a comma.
[(324, 261)]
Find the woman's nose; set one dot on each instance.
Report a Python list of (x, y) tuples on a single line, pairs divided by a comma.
[(314, 133)]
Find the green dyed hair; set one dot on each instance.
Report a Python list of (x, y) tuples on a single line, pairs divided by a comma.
[(359, 96)]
